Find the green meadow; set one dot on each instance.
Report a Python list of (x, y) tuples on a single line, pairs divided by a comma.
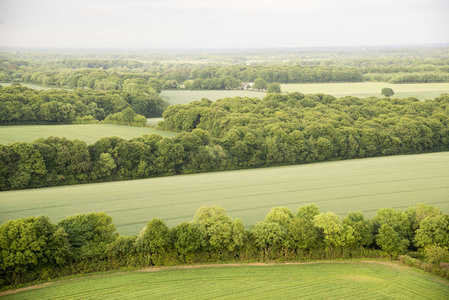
[(366, 89), (89, 133), (34, 86), (339, 186), (335, 280), (186, 96)]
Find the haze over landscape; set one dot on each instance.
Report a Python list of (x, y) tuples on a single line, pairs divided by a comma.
[(221, 24), (224, 149)]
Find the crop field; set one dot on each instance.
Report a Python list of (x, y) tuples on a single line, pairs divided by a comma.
[(89, 133), (185, 96), (335, 280), (366, 89), (340, 186)]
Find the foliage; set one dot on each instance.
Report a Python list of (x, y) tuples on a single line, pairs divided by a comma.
[(88, 234), (239, 133), (433, 231), (274, 88), (35, 248), (436, 254), (23, 105), (387, 92)]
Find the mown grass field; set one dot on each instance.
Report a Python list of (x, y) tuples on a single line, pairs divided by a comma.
[(89, 133), (340, 186), (335, 280), (185, 96), (366, 89)]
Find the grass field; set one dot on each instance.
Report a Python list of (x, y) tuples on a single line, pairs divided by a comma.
[(184, 96), (89, 133), (340, 187), (365, 89), (35, 86), (336, 280)]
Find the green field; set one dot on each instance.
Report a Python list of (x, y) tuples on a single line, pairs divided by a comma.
[(337, 280), (35, 86), (89, 133), (184, 96), (339, 186), (366, 89)]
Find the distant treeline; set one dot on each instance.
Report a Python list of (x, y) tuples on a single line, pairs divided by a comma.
[(36, 249), (24, 105), (109, 72), (237, 133)]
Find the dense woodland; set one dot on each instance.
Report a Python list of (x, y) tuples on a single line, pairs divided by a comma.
[(37, 249), (22, 105), (237, 133)]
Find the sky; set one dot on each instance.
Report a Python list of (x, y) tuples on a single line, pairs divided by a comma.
[(229, 24)]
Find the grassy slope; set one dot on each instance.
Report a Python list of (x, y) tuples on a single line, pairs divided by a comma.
[(366, 89), (340, 186), (183, 96), (88, 133), (355, 280)]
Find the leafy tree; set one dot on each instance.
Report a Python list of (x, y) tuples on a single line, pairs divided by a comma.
[(391, 241), (269, 236), (436, 254), (187, 238), (335, 233), (393, 230), (154, 239), (387, 92), (260, 84), (281, 215), (274, 88), (433, 231), (219, 230), (26, 244), (419, 212), (89, 234)]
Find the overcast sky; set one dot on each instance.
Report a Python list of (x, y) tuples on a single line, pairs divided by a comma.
[(222, 23)]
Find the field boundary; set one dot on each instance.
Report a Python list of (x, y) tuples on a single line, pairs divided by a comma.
[(394, 264)]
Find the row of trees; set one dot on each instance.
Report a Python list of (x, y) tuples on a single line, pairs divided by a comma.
[(236, 133), (24, 105), (424, 77), (34, 248)]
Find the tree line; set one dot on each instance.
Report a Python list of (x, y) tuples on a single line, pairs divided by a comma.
[(236, 133), (19, 105), (35, 248)]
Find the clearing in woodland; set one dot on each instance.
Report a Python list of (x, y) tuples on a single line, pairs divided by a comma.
[(89, 133), (339, 186), (320, 280)]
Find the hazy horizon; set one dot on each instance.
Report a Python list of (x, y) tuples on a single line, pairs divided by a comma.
[(201, 24)]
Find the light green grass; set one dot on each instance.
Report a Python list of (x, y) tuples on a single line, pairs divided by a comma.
[(338, 280), (89, 133), (35, 86), (184, 96), (340, 187), (365, 89)]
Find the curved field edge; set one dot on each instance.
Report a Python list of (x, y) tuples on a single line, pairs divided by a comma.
[(310, 280), (339, 186), (89, 133)]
